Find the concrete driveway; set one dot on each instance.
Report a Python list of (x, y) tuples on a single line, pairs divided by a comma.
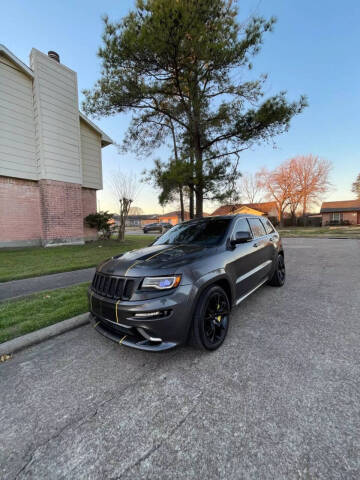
[(279, 400)]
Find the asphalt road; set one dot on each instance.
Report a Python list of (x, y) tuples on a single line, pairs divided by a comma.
[(280, 399)]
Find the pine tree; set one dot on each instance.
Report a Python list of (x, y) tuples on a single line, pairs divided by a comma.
[(183, 60)]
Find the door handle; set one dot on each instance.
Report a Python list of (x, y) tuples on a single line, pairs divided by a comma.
[(256, 245)]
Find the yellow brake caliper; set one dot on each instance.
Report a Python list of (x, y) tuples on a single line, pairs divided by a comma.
[(219, 316)]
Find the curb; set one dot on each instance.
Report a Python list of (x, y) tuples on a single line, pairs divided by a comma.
[(38, 336)]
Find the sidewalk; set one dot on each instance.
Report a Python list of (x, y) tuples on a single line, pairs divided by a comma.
[(27, 286)]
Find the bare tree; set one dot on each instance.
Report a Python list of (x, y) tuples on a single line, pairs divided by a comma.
[(312, 179), (275, 184), (251, 188), (125, 187), (297, 182)]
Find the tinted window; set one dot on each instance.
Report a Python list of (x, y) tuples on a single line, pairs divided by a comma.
[(257, 227), (201, 232), (242, 226), (268, 226)]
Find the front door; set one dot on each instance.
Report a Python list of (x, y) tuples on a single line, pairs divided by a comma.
[(358, 218), (242, 260)]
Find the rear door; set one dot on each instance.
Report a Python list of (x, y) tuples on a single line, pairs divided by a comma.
[(264, 247)]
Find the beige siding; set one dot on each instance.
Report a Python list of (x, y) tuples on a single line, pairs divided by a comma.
[(17, 123), (91, 156), (57, 116)]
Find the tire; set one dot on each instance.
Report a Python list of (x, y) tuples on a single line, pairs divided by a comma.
[(208, 331), (279, 276)]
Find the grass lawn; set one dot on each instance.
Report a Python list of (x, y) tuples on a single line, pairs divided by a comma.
[(28, 262), (353, 232), (18, 317)]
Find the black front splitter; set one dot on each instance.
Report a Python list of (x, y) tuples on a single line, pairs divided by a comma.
[(129, 340)]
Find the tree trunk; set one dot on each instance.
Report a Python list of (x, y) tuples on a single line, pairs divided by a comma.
[(281, 219), (199, 203), (199, 190), (121, 221), (196, 143), (124, 212), (182, 213), (191, 187), (191, 201), (304, 212)]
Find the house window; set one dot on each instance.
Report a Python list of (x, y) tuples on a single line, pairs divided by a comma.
[(336, 217)]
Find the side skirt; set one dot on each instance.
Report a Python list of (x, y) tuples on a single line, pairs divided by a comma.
[(239, 300)]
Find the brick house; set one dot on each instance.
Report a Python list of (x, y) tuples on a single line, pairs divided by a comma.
[(268, 209), (346, 211), (50, 154), (173, 217)]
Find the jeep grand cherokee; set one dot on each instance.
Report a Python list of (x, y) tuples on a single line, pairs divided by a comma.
[(185, 284)]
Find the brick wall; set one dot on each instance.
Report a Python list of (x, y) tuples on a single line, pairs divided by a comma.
[(89, 206), (45, 212), (61, 212), (20, 220), (349, 216)]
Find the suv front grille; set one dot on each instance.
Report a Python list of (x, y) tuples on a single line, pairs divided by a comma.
[(116, 288)]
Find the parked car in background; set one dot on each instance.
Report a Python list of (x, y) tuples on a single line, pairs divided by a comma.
[(185, 284), (157, 227)]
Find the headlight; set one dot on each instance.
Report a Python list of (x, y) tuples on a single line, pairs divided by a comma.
[(161, 283)]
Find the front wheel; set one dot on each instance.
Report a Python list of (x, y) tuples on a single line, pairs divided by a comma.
[(278, 278), (211, 319)]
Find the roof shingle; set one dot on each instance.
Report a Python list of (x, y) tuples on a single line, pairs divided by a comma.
[(264, 207), (343, 205)]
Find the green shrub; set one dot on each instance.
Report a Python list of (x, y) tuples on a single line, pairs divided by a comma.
[(100, 221)]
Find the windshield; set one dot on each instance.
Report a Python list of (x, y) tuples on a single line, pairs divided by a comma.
[(207, 232)]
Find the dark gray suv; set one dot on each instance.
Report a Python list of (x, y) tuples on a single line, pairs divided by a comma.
[(185, 284)]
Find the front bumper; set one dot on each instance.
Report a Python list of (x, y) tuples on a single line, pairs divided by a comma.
[(117, 320)]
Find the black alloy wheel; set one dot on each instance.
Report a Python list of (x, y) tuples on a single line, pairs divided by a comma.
[(281, 268), (278, 279), (211, 320)]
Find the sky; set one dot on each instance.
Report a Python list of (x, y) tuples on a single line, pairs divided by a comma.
[(314, 50)]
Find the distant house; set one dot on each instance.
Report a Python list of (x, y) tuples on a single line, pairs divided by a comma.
[(137, 220), (342, 212), (173, 217), (140, 220), (50, 153), (268, 209)]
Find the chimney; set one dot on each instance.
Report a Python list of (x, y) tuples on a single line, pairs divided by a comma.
[(54, 55)]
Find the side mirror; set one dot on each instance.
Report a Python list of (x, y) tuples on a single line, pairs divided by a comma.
[(241, 237)]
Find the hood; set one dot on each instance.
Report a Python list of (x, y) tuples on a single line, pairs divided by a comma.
[(153, 260)]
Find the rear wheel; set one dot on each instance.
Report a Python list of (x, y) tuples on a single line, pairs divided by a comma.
[(211, 319), (278, 278)]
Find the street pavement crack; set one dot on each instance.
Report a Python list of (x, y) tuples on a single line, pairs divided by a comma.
[(81, 421), (85, 418), (159, 444)]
